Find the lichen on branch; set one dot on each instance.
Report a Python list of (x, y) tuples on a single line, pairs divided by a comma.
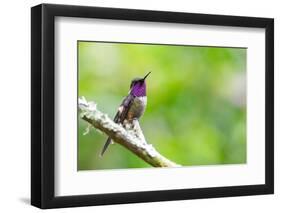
[(128, 135)]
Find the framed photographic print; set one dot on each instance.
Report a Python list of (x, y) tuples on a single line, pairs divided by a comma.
[(140, 106)]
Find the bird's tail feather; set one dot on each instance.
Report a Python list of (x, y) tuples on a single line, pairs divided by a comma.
[(107, 143)]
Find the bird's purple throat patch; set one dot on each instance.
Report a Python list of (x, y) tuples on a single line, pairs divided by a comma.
[(139, 89)]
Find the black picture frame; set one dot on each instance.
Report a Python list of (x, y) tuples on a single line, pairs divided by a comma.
[(43, 117)]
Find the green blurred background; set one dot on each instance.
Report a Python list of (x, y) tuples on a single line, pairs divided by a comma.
[(196, 112)]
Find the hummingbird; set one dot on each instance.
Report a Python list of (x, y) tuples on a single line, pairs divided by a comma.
[(132, 106)]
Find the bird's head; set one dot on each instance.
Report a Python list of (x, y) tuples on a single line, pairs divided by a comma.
[(138, 86)]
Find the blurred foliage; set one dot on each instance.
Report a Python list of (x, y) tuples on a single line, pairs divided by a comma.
[(196, 113)]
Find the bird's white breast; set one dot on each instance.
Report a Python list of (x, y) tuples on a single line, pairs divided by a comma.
[(141, 100), (138, 107)]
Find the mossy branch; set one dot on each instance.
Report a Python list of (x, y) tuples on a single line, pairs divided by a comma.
[(129, 136)]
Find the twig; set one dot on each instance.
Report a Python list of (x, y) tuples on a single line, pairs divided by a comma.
[(130, 136)]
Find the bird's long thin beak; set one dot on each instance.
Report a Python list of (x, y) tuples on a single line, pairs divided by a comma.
[(146, 76)]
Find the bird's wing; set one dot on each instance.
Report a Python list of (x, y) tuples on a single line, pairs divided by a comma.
[(123, 109), (119, 117)]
